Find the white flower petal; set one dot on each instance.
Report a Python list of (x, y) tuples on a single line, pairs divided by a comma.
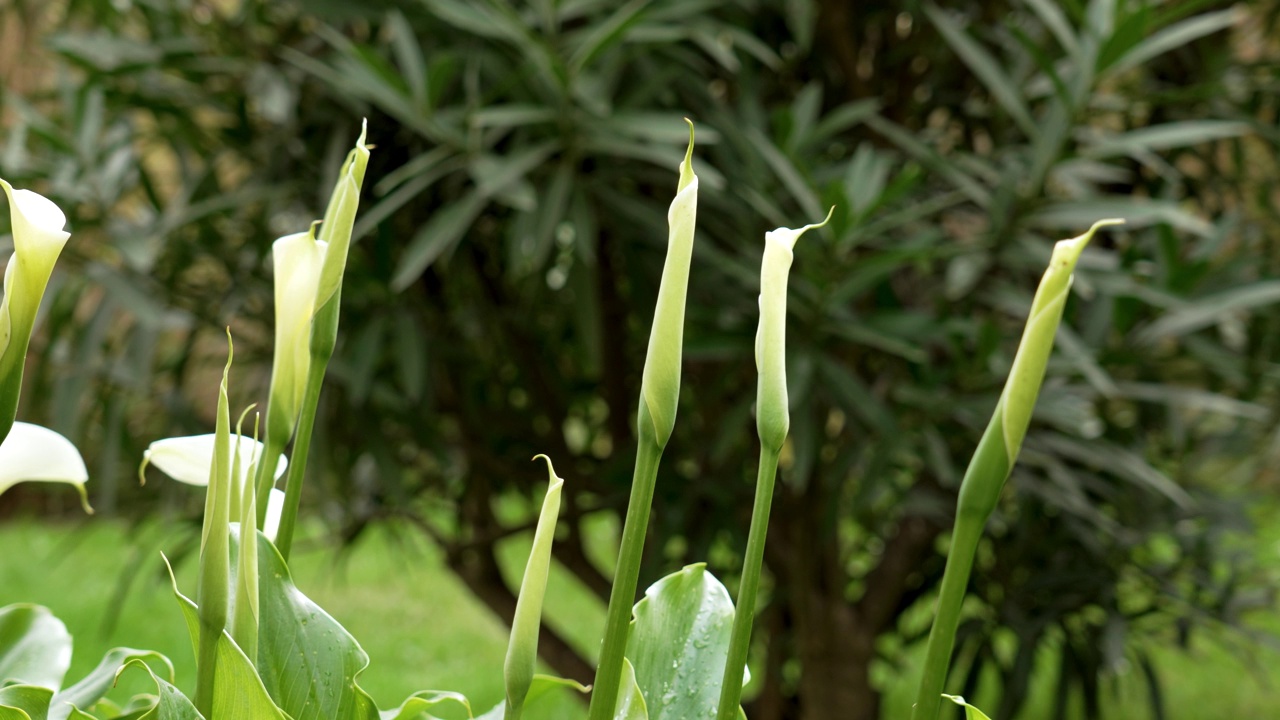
[(38, 236), (34, 453), (188, 459), (275, 506), (298, 260)]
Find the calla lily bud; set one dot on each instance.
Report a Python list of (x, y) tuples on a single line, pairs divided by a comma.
[(773, 418), (340, 218), (660, 384), (38, 239), (522, 651), (980, 493), (1027, 373), (36, 454), (298, 260)]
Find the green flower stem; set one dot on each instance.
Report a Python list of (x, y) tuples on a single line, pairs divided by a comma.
[(215, 558), (659, 400), (265, 478), (604, 694), (993, 461), (324, 337), (744, 612)]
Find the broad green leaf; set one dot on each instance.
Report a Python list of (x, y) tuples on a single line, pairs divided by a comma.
[(170, 703), (679, 642), (970, 712), (418, 703), (522, 652), (542, 684), (35, 647), (25, 702), (238, 692), (307, 661), (630, 700), (97, 683)]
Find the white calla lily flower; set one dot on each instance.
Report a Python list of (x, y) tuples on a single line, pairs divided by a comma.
[(32, 453), (188, 459), (38, 239), (298, 261)]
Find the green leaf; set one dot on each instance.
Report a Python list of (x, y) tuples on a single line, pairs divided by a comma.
[(988, 70), (970, 712), (1208, 311), (542, 684), (35, 647), (170, 704), (24, 702), (679, 642), (605, 34), (631, 704), (1167, 136), (418, 703), (307, 661), (1173, 37), (238, 692), (97, 683), (438, 235)]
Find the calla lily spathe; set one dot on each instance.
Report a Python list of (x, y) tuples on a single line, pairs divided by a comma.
[(35, 454), (188, 459), (38, 239), (298, 260)]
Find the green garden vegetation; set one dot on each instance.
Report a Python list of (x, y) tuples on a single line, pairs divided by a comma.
[(497, 307)]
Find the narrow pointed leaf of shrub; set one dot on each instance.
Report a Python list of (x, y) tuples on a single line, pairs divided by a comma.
[(92, 687), (970, 712), (522, 651), (659, 395), (307, 661), (679, 642), (31, 453), (170, 704), (993, 460), (35, 647), (238, 692)]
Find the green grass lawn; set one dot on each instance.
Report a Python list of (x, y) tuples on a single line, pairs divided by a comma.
[(423, 630)]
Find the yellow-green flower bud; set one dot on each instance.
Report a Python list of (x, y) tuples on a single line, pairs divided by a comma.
[(772, 416), (660, 386)]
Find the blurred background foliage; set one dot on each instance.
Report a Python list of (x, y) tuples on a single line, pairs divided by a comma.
[(511, 238)]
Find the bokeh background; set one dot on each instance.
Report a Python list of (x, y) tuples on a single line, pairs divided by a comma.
[(498, 300)]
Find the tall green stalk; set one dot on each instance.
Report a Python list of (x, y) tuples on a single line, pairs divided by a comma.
[(215, 558), (659, 396), (993, 460), (773, 421)]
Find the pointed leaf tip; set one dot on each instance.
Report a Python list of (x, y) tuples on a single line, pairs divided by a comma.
[(686, 167)]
